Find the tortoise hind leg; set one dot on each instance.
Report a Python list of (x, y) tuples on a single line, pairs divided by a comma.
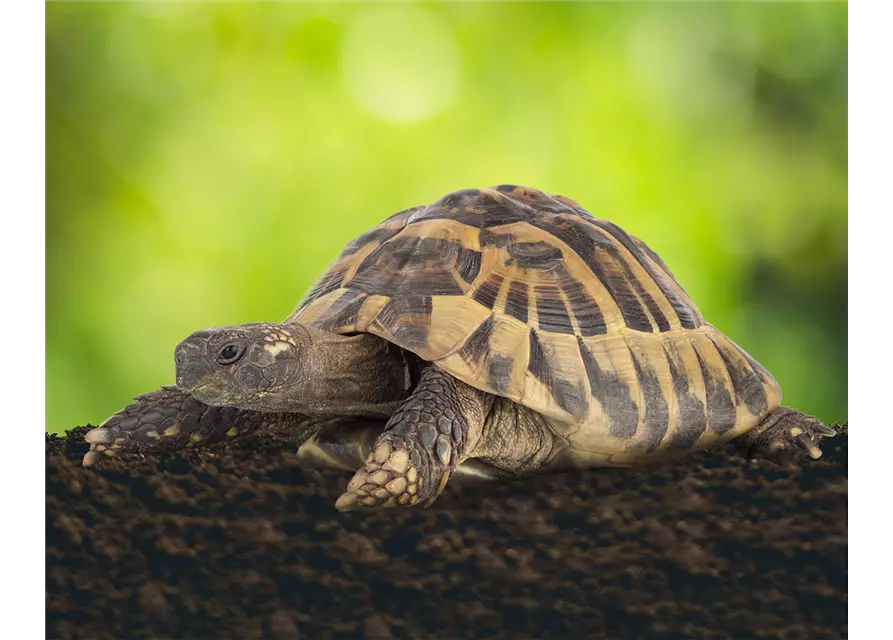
[(785, 434), (422, 445)]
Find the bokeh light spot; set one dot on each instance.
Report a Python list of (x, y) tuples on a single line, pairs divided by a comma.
[(401, 62)]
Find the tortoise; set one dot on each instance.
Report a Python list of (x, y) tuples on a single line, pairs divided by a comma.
[(496, 333)]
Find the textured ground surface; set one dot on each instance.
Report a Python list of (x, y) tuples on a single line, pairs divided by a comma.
[(238, 542)]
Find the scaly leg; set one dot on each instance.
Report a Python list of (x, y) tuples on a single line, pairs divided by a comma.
[(169, 419), (422, 445), (785, 435)]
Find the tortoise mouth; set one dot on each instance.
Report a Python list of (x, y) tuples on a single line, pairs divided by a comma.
[(193, 376), (212, 394)]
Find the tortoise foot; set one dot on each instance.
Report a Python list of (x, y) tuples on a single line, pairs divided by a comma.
[(170, 419), (786, 435), (103, 441), (396, 474), (154, 422), (421, 446)]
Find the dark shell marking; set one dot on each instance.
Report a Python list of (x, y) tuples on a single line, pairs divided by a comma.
[(692, 415)]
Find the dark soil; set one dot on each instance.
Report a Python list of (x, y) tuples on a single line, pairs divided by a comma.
[(239, 542)]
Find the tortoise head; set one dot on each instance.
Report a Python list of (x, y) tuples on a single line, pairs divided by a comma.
[(288, 368), (250, 366)]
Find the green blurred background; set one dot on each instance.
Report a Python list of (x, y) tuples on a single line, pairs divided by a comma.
[(205, 161)]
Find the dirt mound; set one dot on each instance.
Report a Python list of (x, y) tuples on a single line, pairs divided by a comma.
[(238, 541)]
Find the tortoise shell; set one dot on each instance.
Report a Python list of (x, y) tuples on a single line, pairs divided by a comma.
[(528, 296)]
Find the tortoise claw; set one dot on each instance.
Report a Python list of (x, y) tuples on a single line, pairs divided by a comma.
[(103, 443), (821, 429), (91, 458), (807, 445), (100, 435)]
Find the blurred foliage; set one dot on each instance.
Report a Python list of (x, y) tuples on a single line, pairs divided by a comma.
[(205, 161)]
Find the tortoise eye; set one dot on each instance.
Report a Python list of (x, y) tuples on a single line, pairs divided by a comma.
[(230, 353)]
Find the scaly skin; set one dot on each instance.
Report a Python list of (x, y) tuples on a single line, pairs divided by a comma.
[(169, 419)]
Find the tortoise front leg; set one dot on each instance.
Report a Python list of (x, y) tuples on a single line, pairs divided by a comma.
[(785, 435), (422, 445), (169, 419)]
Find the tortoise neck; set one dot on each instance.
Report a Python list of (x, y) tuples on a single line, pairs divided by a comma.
[(353, 375)]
